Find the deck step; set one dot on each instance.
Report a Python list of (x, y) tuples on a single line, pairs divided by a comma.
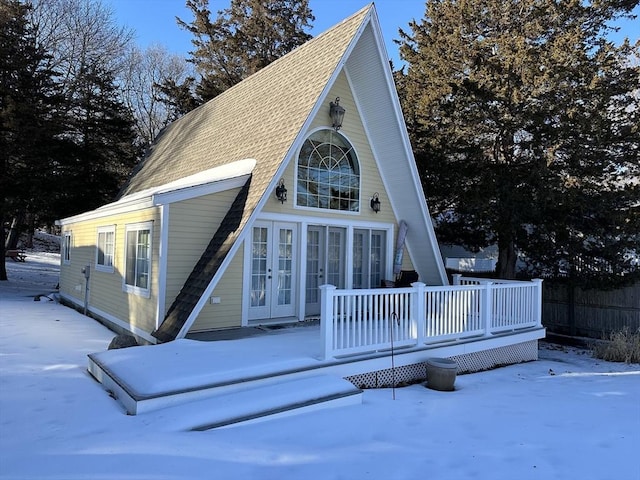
[(260, 403)]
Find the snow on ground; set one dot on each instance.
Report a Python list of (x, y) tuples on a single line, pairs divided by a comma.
[(566, 416)]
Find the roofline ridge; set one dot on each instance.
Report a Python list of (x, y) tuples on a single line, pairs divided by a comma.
[(277, 61)]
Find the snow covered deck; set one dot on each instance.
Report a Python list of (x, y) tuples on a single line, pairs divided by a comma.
[(366, 338)]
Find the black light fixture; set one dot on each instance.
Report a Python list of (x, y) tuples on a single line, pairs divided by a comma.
[(337, 114), (281, 191), (375, 202)]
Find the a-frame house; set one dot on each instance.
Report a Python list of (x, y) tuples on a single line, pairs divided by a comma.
[(198, 239)]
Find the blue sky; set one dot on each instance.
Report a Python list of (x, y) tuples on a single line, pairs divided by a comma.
[(154, 20)]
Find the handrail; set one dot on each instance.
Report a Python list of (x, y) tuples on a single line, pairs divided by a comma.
[(361, 321)]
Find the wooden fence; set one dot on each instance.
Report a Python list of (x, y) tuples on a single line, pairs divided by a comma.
[(573, 311)]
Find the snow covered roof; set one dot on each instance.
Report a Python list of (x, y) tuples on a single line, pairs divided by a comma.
[(212, 180)]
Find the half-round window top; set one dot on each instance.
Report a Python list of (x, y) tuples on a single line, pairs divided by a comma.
[(328, 173)]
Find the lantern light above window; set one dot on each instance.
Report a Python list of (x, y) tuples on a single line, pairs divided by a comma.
[(337, 114), (281, 191)]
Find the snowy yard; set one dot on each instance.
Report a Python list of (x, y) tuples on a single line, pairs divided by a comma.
[(566, 416)]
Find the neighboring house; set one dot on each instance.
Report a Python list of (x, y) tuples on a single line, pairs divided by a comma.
[(198, 239)]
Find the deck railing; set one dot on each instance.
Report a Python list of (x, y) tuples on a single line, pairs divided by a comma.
[(368, 320)]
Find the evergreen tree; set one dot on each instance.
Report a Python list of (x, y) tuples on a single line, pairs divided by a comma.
[(29, 124), (244, 38), (101, 144), (524, 120), (67, 141)]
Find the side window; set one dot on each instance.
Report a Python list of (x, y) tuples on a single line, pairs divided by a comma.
[(138, 258), (66, 248), (105, 247)]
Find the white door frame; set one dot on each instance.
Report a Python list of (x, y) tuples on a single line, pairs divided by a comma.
[(277, 272)]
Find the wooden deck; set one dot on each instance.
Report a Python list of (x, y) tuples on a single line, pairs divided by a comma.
[(368, 338)]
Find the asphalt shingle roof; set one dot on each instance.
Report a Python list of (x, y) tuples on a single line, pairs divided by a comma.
[(258, 118)]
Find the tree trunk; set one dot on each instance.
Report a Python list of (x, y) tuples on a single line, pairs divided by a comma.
[(30, 221), (11, 242), (506, 266)]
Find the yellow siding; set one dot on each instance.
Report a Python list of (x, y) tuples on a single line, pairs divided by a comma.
[(106, 288), (192, 224), (370, 180), (228, 313)]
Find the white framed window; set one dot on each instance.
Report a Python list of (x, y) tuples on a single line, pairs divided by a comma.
[(328, 173), (105, 248), (66, 247), (137, 277)]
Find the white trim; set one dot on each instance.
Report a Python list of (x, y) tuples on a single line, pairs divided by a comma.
[(246, 279), (204, 298), (295, 159), (99, 266), (224, 177), (162, 263), (292, 153), (302, 133), (133, 289), (188, 193), (107, 317), (302, 269), (401, 128), (116, 208), (330, 221)]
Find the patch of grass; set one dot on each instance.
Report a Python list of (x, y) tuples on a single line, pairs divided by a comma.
[(623, 346)]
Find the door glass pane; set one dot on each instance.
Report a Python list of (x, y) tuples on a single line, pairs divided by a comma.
[(314, 266), (259, 267), (285, 262), (335, 255), (359, 254), (377, 266)]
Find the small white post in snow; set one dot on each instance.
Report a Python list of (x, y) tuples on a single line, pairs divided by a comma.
[(326, 320)]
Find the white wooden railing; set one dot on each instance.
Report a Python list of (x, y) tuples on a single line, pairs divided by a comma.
[(368, 320)]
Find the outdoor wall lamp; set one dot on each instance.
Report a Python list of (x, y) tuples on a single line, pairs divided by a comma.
[(375, 202), (337, 114), (281, 191)]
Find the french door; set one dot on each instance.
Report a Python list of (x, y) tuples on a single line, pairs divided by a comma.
[(325, 263), (273, 284)]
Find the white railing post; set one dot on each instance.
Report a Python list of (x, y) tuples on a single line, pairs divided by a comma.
[(537, 308), (456, 278), (486, 307), (418, 311), (326, 320)]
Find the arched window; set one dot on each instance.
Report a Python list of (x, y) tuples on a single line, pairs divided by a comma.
[(328, 173)]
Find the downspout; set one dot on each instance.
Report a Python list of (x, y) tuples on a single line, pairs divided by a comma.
[(86, 270)]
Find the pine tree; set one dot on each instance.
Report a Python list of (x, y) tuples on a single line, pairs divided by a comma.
[(101, 150), (524, 119), (243, 39), (29, 125)]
